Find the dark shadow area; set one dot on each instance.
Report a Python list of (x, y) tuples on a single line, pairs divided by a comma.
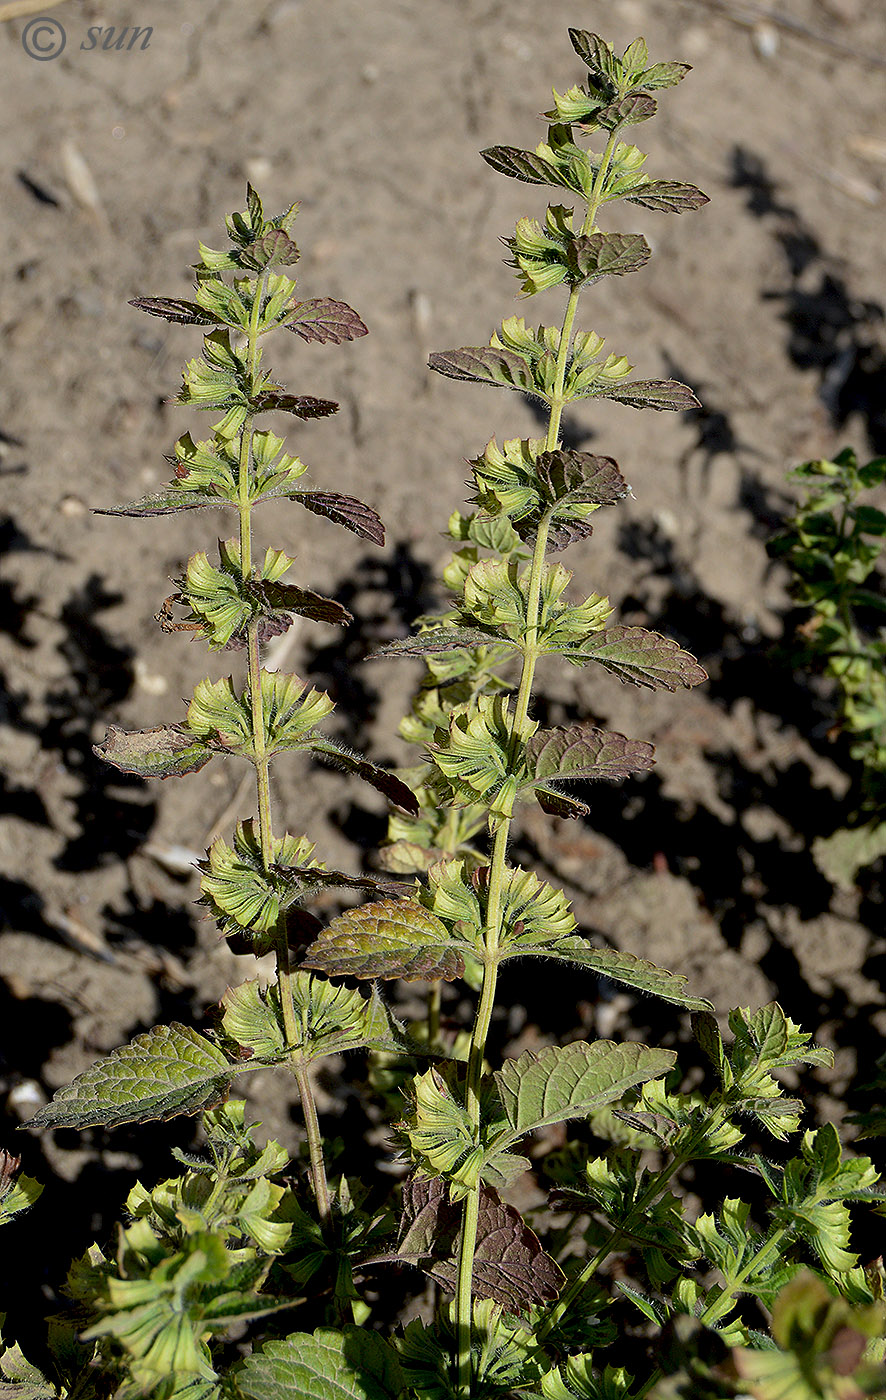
[(830, 331)]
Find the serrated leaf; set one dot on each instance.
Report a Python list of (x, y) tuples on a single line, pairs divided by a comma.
[(581, 476), (354, 515), (167, 751), (387, 939), (288, 598), (629, 110), (586, 752), (661, 394), (354, 1364), (562, 1082), (526, 166), (441, 639), (641, 657), (165, 503), (485, 364), (273, 248), (329, 1019), (668, 196), (342, 757), (323, 320), (510, 1265), (188, 313), (299, 405), (621, 967), (167, 1071), (607, 254)]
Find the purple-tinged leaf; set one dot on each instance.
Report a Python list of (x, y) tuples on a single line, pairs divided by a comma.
[(299, 405), (189, 313), (287, 598), (273, 249), (563, 533), (596, 55), (485, 364), (526, 166), (440, 639), (607, 254), (629, 110), (354, 515), (560, 804), (585, 752), (510, 1265), (379, 778), (166, 503), (323, 320), (389, 939), (641, 657), (652, 393), (669, 196), (581, 476), (167, 1071), (306, 878), (665, 75), (165, 752)]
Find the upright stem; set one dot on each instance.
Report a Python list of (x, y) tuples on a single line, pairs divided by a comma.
[(498, 862), (261, 758)]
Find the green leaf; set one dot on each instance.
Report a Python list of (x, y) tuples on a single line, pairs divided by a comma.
[(354, 1364), (17, 1193), (167, 1071), (329, 1019), (441, 639), (442, 1138), (391, 938), (324, 321), (168, 751), (629, 110), (562, 1082), (625, 968), (640, 657), (531, 168), (510, 1265), (485, 364)]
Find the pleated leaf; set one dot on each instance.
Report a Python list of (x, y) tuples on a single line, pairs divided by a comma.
[(324, 320), (580, 476), (342, 757), (387, 939), (640, 657), (354, 515), (287, 598), (533, 169), (485, 364), (167, 751), (440, 639), (299, 405), (660, 394), (510, 1265), (167, 1071), (633, 108), (188, 313), (586, 752), (166, 502), (607, 254), (569, 1081), (625, 968), (354, 1364), (668, 196)]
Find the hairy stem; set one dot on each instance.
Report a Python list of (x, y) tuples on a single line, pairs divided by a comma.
[(498, 863), (315, 1145)]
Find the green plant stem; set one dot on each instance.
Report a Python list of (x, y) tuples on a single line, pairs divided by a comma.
[(261, 758), (315, 1145), (493, 922)]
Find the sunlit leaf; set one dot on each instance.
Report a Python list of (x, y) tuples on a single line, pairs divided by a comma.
[(354, 515), (323, 320), (595, 255), (167, 751), (354, 1364), (387, 939), (485, 364), (299, 405), (640, 657), (621, 967), (167, 1071), (189, 313), (569, 1081), (652, 393), (340, 756), (668, 196)]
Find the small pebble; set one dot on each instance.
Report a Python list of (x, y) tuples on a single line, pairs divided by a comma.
[(764, 38), (148, 681), (72, 506)]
